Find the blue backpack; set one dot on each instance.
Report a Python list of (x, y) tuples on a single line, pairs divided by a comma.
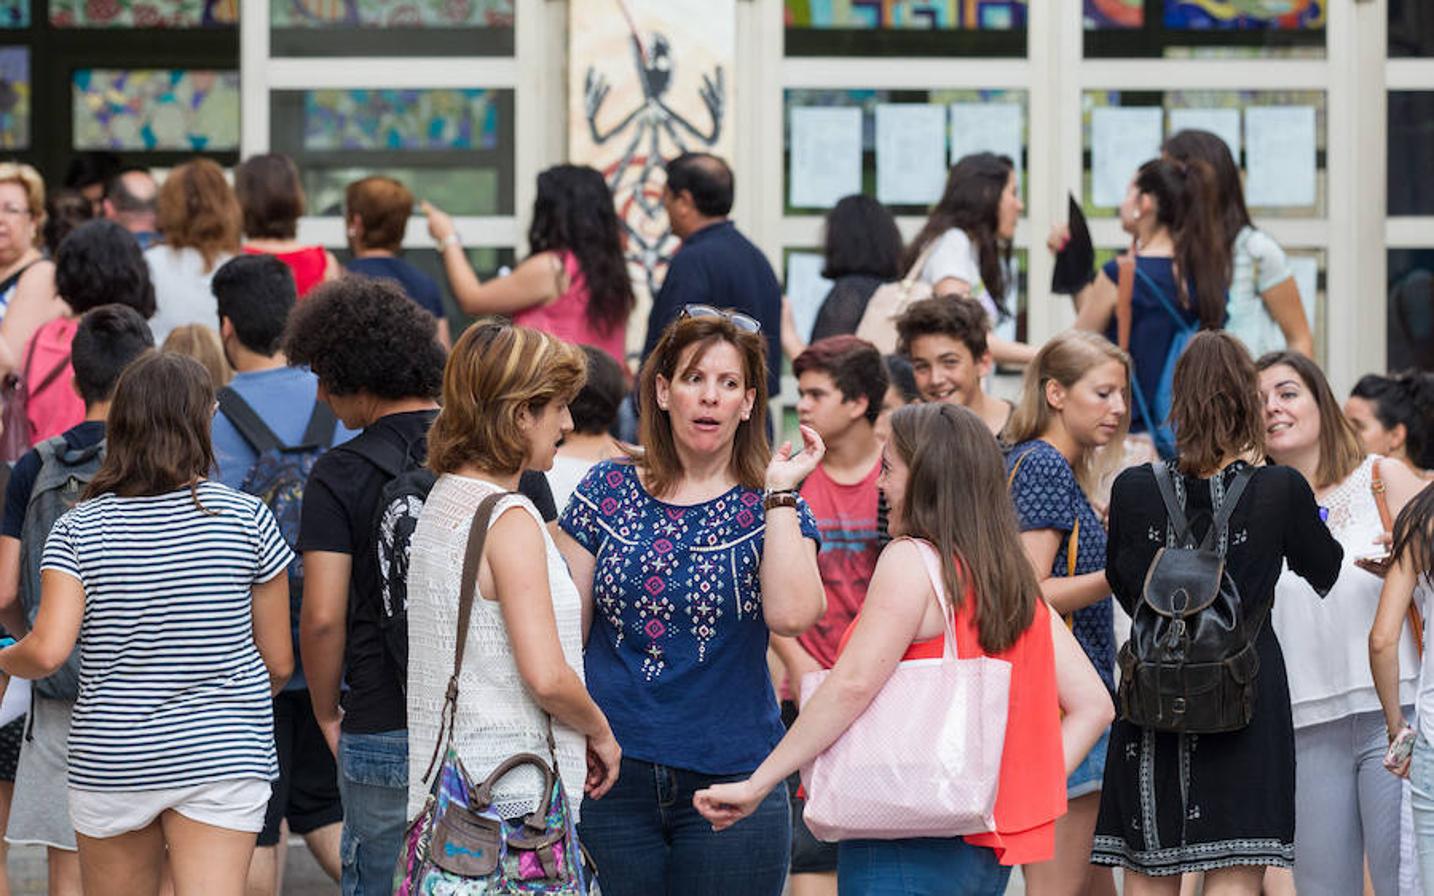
[(1152, 410), (277, 477)]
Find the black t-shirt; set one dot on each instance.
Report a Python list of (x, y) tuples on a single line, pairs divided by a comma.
[(420, 287), (340, 500)]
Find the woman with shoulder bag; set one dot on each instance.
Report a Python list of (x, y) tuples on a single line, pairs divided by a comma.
[(520, 688), (1224, 803), (960, 576), (1346, 806), (1067, 431)]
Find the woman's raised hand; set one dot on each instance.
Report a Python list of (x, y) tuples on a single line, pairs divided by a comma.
[(787, 470), (440, 223), (726, 804)]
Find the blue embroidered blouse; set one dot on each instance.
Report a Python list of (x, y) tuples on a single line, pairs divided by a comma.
[(677, 655)]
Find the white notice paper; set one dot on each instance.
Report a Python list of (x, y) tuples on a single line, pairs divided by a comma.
[(806, 288), (1121, 140), (1280, 156), (825, 156), (1306, 273), (910, 153), (986, 127), (1223, 123)]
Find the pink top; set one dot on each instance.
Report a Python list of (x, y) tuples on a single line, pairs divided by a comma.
[(566, 317), (51, 403)]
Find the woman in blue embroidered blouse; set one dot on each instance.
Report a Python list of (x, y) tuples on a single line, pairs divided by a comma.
[(1073, 405), (688, 569)]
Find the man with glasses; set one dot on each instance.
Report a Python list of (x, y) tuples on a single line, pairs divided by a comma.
[(717, 266)]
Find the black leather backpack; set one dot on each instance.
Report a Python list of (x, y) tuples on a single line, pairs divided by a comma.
[(1190, 663)]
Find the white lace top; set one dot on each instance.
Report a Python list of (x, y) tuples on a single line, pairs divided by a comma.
[(1326, 642), (496, 715)]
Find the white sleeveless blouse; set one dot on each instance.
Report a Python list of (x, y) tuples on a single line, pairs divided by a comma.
[(497, 717), (1326, 642)]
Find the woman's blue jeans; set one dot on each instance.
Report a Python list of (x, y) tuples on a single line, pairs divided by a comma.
[(648, 840), (919, 867)]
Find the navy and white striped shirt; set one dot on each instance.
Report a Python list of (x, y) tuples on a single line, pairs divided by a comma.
[(173, 691)]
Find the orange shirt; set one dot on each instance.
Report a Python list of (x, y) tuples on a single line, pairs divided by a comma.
[(1031, 793)]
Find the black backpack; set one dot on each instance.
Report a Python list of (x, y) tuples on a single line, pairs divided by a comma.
[(277, 477), (1190, 663), (399, 505)]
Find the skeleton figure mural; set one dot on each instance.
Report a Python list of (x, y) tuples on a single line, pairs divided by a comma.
[(654, 126)]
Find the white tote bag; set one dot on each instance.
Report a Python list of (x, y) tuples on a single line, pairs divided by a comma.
[(924, 758)]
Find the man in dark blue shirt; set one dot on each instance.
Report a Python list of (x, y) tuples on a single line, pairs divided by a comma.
[(716, 265)]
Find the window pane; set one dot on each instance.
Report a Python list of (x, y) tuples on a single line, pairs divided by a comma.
[(453, 147), (906, 27), (1125, 145), (156, 109), (1411, 152), (14, 13), (15, 97), (1411, 309), (999, 114), (1199, 28), (1411, 28), (144, 13), (391, 27)]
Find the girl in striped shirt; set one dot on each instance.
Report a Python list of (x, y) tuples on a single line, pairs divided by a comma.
[(173, 587)]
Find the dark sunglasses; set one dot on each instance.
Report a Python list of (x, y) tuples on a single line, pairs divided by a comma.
[(735, 318)]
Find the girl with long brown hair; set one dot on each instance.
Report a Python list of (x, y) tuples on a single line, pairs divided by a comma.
[(1343, 798), (939, 462), (1222, 803), (1181, 271), (179, 584)]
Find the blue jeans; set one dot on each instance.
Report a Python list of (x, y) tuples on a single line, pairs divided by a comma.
[(919, 867), (648, 840), (373, 782), (1421, 800)]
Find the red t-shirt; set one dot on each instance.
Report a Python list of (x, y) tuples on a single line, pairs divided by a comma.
[(846, 518), (307, 262)]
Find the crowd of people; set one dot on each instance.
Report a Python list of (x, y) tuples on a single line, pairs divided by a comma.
[(275, 541)]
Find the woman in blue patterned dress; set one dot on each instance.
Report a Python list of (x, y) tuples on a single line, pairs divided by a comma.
[(684, 568), (1073, 405)]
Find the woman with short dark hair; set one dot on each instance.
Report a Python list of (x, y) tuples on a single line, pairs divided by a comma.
[(273, 201), (1221, 803), (686, 568), (861, 250), (377, 210)]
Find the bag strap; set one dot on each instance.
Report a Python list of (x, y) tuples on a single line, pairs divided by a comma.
[(917, 266), (1124, 296), (1161, 469), (1227, 507), (932, 561), (472, 556), (1180, 322), (382, 453), (319, 433), (247, 421), (1386, 521)]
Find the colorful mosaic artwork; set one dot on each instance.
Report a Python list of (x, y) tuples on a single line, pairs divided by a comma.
[(144, 13), (1110, 14), (156, 109), (14, 97), (1242, 15), (988, 15), (400, 119), (14, 13), (391, 13)]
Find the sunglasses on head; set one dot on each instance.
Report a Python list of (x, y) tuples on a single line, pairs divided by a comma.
[(737, 319)]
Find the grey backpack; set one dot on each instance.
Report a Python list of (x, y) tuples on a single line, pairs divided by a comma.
[(64, 473)]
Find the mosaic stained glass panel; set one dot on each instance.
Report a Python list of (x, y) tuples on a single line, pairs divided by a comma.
[(14, 97), (391, 13), (144, 13), (156, 109), (400, 119), (994, 15)]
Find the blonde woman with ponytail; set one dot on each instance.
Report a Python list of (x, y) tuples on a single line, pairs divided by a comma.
[(1073, 405)]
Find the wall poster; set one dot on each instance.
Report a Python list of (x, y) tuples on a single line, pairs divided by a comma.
[(648, 80)]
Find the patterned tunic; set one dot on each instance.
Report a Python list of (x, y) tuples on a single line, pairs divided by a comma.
[(676, 657)]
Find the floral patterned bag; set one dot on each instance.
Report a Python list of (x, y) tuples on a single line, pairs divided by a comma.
[(458, 845)]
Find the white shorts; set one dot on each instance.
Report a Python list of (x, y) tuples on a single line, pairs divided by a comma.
[(237, 804)]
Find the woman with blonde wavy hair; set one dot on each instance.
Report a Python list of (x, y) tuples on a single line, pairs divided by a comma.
[(1073, 406), (506, 391)]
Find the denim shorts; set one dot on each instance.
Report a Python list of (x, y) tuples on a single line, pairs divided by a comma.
[(1088, 775)]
